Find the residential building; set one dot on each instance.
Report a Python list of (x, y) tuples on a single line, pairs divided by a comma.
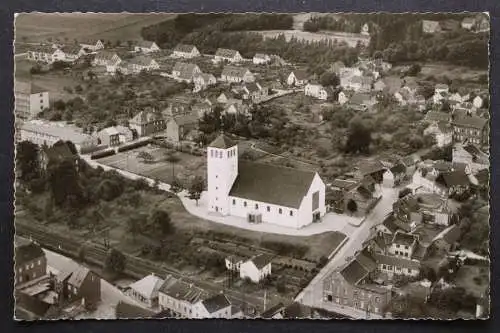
[(235, 106), (454, 182), (344, 96), (146, 290), (143, 63), (181, 127), (468, 23), (147, 122), (202, 81), (114, 136), (478, 102), (202, 108), (441, 88), (261, 192), (403, 245), (394, 175), (30, 262), (46, 54), (397, 266), (431, 27), (106, 58), (145, 46), (437, 117), (252, 91), (472, 128), (186, 51), (471, 155), (361, 197), (449, 25), (92, 45), (441, 132), (318, 91), (297, 78), (80, 284), (185, 71), (379, 85), (350, 286), (233, 74), (346, 73), (232, 56), (216, 306), (29, 100), (47, 133), (176, 109), (447, 240), (180, 297), (72, 52), (365, 29), (336, 67), (357, 83), (261, 59), (361, 101), (257, 268)]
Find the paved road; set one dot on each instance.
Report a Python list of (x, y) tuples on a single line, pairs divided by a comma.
[(312, 295)]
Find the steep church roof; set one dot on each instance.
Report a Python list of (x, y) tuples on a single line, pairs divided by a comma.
[(222, 142)]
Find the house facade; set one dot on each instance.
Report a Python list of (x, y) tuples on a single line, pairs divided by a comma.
[(30, 262), (146, 290), (441, 132), (256, 269), (232, 56), (143, 63), (471, 155), (179, 297), (106, 58), (180, 127), (29, 100), (146, 47), (80, 284), (46, 54), (472, 128), (186, 51), (93, 45), (202, 81), (297, 78), (261, 59), (318, 91), (233, 74), (148, 122), (241, 189), (185, 72)]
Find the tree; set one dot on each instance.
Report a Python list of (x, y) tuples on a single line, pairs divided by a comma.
[(27, 160), (115, 261), (414, 70), (329, 79), (352, 206), (59, 105), (146, 157), (176, 186), (134, 226), (36, 69), (196, 188), (64, 184), (359, 138), (161, 218), (173, 159)]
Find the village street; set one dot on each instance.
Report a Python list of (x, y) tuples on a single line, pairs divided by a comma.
[(312, 295)]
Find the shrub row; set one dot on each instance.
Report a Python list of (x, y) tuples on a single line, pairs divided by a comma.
[(102, 154), (134, 145), (92, 149)]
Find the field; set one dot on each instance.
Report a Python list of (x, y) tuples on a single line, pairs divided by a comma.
[(188, 165), (125, 26), (452, 72), (474, 279), (336, 37)]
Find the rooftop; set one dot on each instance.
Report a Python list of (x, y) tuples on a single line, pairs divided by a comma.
[(63, 132), (396, 261), (183, 291), (216, 303), (470, 121), (225, 53), (233, 71), (26, 252), (147, 286), (222, 142), (185, 48), (404, 238), (261, 260)]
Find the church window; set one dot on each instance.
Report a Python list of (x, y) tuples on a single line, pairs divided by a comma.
[(280, 211), (268, 208), (256, 206), (244, 203), (211, 153), (291, 213), (228, 154), (220, 154), (234, 202)]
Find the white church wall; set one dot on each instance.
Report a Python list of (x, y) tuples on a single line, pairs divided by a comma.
[(221, 176), (305, 210)]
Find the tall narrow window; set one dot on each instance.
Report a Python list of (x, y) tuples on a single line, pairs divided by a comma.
[(256, 206), (244, 203), (291, 213), (280, 211), (268, 208)]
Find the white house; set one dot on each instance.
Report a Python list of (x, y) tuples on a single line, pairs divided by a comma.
[(257, 268), (232, 56), (297, 78), (142, 63), (468, 23), (471, 155), (145, 46), (394, 176), (106, 58), (318, 91), (343, 97), (478, 102), (261, 192), (365, 30), (186, 51), (441, 88), (392, 265), (202, 81), (217, 306), (441, 132), (29, 100), (145, 290), (233, 74), (47, 54), (180, 297), (185, 71), (92, 45), (261, 59)]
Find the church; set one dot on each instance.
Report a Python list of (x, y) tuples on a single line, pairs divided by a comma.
[(261, 192)]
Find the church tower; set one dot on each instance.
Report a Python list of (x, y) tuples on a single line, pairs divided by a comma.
[(222, 170)]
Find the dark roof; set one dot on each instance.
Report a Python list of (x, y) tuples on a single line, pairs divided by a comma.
[(124, 310), (222, 142), (215, 303), (185, 48), (398, 168), (453, 178), (360, 98), (354, 272), (28, 252), (76, 279), (470, 121), (234, 71), (71, 49), (369, 167), (43, 49), (225, 53), (261, 260), (186, 69), (393, 224), (474, 150), (483, 176), (252, 87), (182, 290), (297, 310), (403, 238), (300, 74), (269, 313), (271, 184), (186, 119), (437, 116)]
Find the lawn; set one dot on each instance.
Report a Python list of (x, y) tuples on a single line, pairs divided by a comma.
[(474, 279), (188, 165)]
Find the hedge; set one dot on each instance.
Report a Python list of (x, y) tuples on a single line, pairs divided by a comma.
[(102, 154), (134, 145), (92, 149)]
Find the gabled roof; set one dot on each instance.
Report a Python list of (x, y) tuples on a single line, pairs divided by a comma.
[(105, 55), (393, 224), (71, 49), (398, 169), (271, 184), (146, 116), (216, 303), (404, 238), (360, 98), (442, 86), (186, 119), (124, 310), (145, 44), (469, 20), (437, 116), (44, 48), (233, 71), (300, 74), (253, 87), (27, 252), (470, 121), (141, 60), (184, 48), (222, 142), (186, 69), (261, 56), (362, 79), (369, 167), (262, 260), (78, 276), (453, 178), (226, 53), (147, 286), (183, 291), (272, 311), (359, 268)]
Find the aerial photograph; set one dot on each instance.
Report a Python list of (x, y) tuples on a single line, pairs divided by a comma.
[(252, 166)]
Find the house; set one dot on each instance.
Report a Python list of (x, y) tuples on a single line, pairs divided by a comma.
[(143, 63), (441, 88), (92, 45), (379, 85), (468, 23), (349, 286), (30, 100), (478, 102), (430, 27), (471, 155), (346, 73), (233, 263), (356, 196), (147, 122), (47, 133), (357, 83), (257, 268), (176, 109), (30, 261), (216, 306), (441, 132), (472, 128), (318, 91), (449, 25), (145, 46), (261, 59), (106, 58), (202, 108), (251, 91), (233, 74), (455, 182), (114, 136), (362, 101), (261, 192), (482, 23), (336, 67), (179, 297), (397, 266), (46, 54), (80, 284), (437, 117), (344, 96), (365, 30), (297, 78), (232, 56), (124, 310), (185, 71), (225, 97), (202, 81), (145, 291), (234, 106), (179, 128), (394, 176), (186, 51), (72, 52)]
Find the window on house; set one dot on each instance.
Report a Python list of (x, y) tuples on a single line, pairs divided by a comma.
[(256, 206), (39, 262), (397, 246), (407, 247), (244, 203), (291, 213), (377, 299), (383, 266), (268, 208), (280, 211), (234, 202)]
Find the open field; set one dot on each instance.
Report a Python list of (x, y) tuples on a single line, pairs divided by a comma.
[(124, 26), (452, 72), (329, 36)]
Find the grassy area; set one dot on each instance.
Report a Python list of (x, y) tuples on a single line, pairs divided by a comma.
[(474, 279)]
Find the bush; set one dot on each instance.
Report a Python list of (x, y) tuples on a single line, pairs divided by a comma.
[(102, 154), (134, 145), (92, 149)]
